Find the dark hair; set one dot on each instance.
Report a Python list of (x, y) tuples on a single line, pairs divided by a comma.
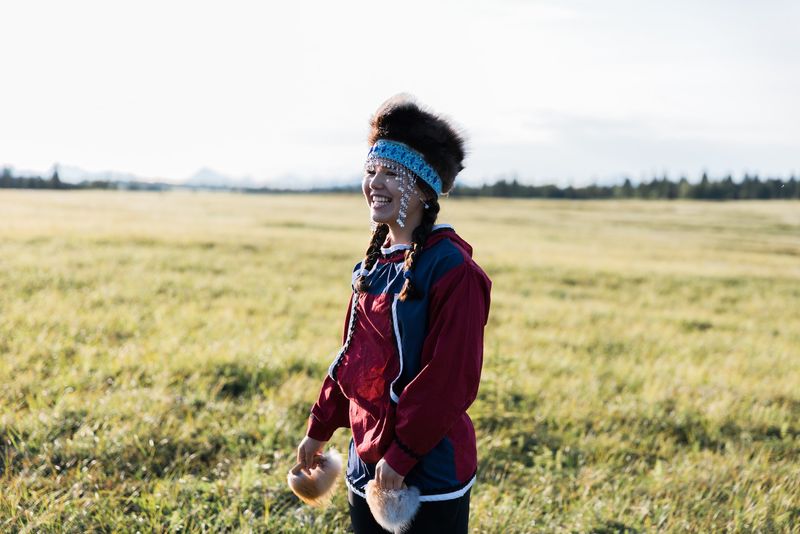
[(418, 238), (372, 255)]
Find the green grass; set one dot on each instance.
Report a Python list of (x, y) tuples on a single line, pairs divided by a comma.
[(159, 353)]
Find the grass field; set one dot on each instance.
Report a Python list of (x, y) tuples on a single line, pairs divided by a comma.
[(159, 353)]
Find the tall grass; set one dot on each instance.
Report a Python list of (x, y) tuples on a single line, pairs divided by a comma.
[(159, 353)]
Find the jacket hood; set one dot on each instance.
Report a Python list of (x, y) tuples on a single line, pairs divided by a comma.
[(448, 233), (441, 231)]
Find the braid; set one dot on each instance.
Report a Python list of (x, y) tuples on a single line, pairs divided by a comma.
[(418, 238), (372, 255)]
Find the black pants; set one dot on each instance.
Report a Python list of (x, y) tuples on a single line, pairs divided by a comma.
[(445, 517)]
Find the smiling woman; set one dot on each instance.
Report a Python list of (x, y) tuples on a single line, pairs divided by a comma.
[(412, 352)]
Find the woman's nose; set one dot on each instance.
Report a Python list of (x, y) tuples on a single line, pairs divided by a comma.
[(378, 180)]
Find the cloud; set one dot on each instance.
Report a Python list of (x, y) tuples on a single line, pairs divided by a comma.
[(579, 150)]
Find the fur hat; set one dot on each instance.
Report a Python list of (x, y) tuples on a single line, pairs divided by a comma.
[(394, 510), (401, 119), (317, 488)]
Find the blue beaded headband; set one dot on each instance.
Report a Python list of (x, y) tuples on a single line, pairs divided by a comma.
[(409, 158)]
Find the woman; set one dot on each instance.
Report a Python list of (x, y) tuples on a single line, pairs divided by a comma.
[(412, 347)]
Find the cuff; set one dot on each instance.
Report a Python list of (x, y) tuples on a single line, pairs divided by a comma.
[(401, 458), (318, 431)]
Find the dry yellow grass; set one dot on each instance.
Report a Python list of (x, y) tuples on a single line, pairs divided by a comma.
[(160, 352)]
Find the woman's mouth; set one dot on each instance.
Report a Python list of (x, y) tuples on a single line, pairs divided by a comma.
[(379, 201)]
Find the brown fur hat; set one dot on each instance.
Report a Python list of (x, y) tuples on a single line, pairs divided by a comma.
[(401, 119)]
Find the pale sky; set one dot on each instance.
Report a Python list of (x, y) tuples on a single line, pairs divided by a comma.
[(555, 92)]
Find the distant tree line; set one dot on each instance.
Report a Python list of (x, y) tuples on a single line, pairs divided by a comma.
[(9, 181), (750, 187)]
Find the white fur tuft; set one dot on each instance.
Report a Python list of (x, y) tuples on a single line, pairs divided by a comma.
[(392, 509)]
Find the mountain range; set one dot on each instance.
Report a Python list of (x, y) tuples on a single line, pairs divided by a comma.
[(204, 177)]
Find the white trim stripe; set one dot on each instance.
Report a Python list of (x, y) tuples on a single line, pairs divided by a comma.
[(394, 248), (394, 397), (353, 489), (425, 498), (447, 496)]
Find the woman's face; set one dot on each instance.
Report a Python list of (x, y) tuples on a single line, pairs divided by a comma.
[(381, 187)]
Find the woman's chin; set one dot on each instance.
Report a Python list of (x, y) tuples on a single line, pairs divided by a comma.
[(381, 217)]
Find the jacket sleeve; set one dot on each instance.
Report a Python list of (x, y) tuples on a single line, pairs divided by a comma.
[(331, 411), (452, 357)]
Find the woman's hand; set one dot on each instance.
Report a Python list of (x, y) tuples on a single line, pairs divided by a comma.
[(386, 477), (308, 453)]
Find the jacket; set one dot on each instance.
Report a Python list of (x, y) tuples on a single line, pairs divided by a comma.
[(408, 371)]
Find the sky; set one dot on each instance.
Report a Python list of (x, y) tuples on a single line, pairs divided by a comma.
[(567, 92)]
